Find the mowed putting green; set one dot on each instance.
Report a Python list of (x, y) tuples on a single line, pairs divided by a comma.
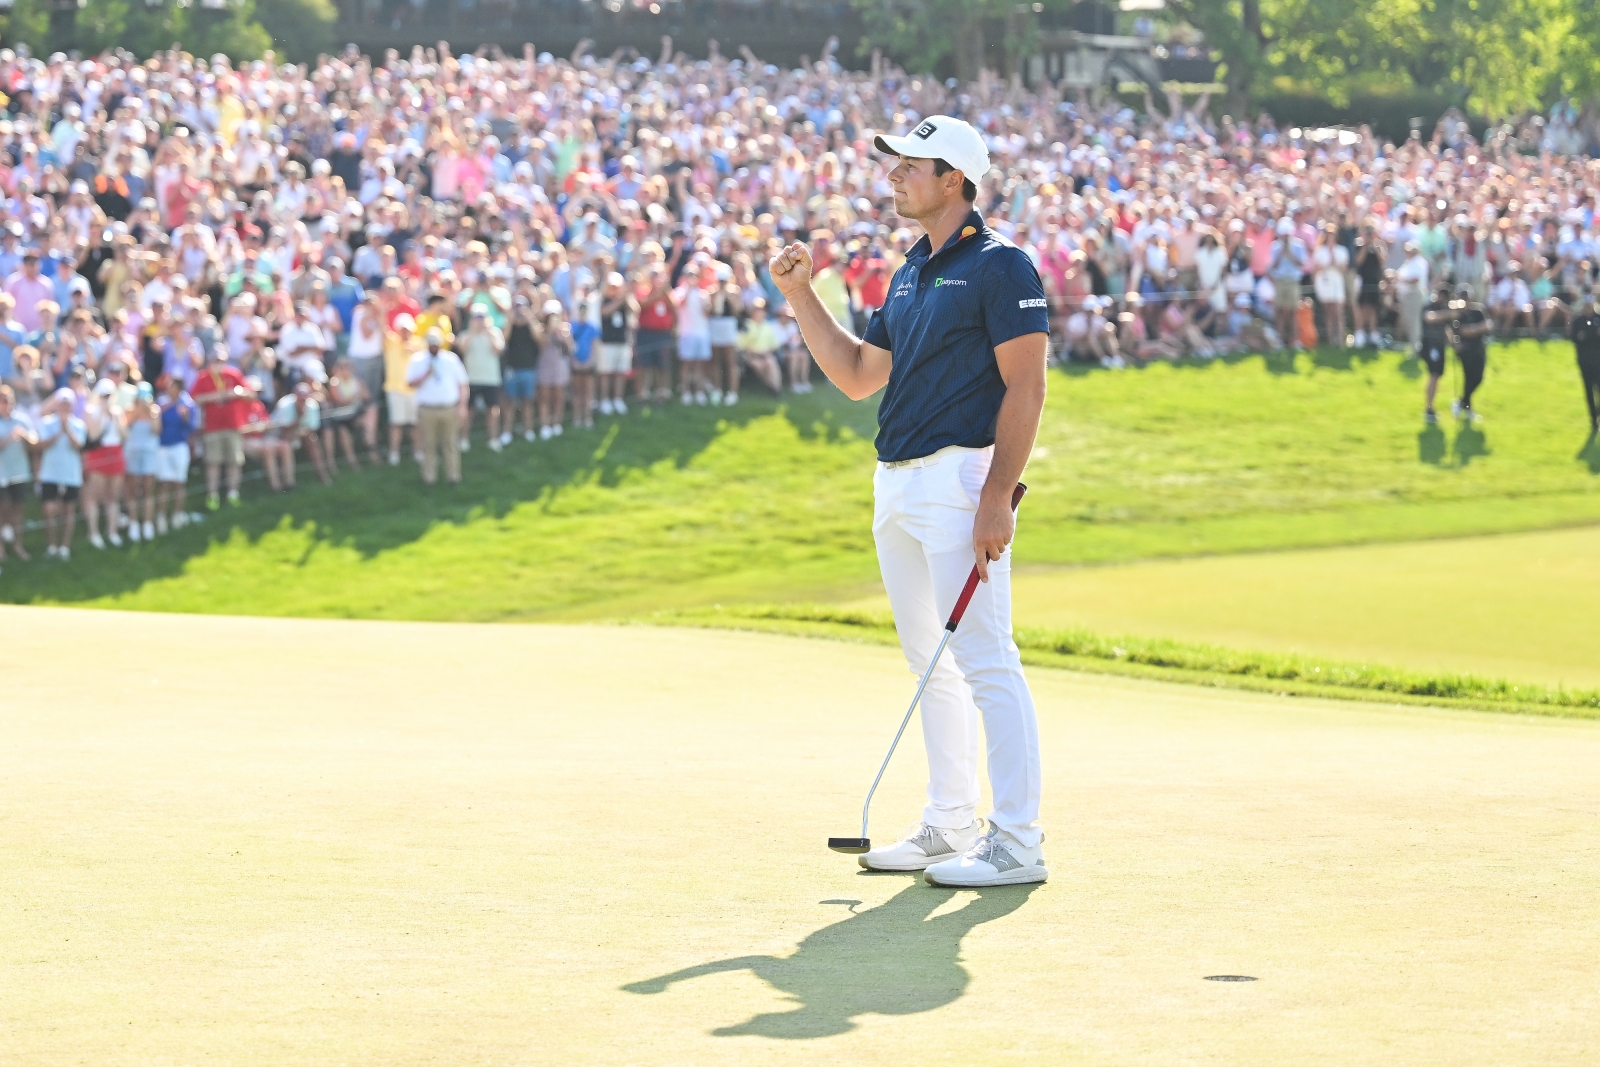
[(1519, 606), (311, 842)]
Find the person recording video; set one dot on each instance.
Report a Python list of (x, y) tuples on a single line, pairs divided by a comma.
[(1469, 334)]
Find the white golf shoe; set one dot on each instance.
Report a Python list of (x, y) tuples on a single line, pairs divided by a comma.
[(921, 846), (996, 858)]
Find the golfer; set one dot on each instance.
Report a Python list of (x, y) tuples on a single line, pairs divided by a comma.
[(960, 345)]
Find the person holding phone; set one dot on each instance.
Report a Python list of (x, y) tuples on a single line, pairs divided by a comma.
[(439, 380), (618, 312), (521, 363), (555, 367), (16, 472), (61, 438), (1469, 333)]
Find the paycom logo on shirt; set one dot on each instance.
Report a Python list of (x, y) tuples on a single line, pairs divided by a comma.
[(937, 282)]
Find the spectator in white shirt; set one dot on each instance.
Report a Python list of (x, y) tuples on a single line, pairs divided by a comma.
[(1411, 288), (694, 336), (1512, 301), (440, 381), (16, 472), (300, 341)]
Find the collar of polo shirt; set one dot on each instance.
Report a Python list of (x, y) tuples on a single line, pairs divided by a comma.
[(970, 228)]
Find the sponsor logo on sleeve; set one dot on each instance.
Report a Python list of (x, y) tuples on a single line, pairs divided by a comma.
[(1036, 302)]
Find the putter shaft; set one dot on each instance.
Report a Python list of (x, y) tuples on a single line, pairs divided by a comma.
[(967, 592), (945, 640)]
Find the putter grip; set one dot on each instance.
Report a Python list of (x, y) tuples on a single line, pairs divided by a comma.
[(972, 579)]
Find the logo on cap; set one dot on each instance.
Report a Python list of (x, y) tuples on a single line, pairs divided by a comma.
[(925, 131)]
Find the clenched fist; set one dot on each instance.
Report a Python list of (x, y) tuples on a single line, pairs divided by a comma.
[(791, 269)]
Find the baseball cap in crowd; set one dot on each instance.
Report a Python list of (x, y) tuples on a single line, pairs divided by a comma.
[(552, 307), (1285, 226), (941, 137), (434, 337), (404, 322)]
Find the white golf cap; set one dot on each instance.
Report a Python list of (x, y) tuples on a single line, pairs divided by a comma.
[(942, 137)]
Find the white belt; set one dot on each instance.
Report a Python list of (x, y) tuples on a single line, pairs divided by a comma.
[(928, 461)]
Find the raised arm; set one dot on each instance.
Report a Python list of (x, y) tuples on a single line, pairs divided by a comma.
[(857, 368)]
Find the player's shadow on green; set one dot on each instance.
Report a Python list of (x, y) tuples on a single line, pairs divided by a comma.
[(1590, 453), (1431, 445), (1469, 444), (895, 959)]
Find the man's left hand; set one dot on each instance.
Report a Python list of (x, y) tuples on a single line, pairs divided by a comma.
[(992, 531)]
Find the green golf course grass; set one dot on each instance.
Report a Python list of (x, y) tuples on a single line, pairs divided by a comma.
[(769, 503), (312, 842), (1523, 606)]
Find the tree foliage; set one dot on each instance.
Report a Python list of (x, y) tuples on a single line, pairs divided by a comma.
[(300, 29), (1493, 56), (931, 35), (244, 30)]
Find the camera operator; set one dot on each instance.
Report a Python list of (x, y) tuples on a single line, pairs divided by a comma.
[(1469, 332), (1585, 334), (1436, 320)]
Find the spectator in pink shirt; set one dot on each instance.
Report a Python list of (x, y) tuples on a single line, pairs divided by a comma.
[(27, 287), (1260, 237)]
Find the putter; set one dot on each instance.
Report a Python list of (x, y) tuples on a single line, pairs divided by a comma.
[(858, 845)]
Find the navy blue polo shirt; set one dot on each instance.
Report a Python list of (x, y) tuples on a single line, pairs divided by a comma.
[(946, 313)]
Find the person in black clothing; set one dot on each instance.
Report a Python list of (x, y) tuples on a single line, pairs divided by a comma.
[(112, 197), (1469, 332), (1369, 271), (520, 360), (345, 160), (1436, 319), (1585, 333)]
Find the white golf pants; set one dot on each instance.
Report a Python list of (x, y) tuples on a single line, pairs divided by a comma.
[(923, 528)]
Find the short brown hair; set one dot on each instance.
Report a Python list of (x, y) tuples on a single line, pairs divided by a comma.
[(969, 192)]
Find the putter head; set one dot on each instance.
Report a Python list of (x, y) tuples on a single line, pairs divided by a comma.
[(853, 845)]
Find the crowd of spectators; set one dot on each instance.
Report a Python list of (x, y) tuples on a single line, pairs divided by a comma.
[(319, 268)]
